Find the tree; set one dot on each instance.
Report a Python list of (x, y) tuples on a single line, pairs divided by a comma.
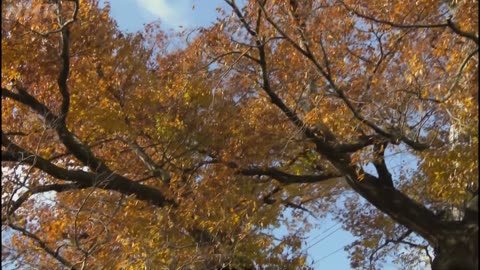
[(86, 115), (188, 157)]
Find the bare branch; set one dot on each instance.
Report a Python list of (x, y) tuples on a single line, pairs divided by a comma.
[(267, 199), (239, 14), (388, 241), (15, 133), (215, 59), (401, 240), (450, 24), (287, 178)]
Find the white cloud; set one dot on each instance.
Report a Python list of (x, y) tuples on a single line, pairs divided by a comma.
[(171, 12)]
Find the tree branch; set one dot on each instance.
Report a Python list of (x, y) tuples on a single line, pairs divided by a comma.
[(43, 245), (460, 32), (455, 82), (394, 203), (383, 174), (13, 152), (388, 241), (71, 142), (155, 169), (63, 25), (104, 180), (450, 24), (40, 189), (393, 24), (275, 99), (65, 63), (395, 138), (287, 178), (386, 198), (240, 16), (362, 142), (25, 98)]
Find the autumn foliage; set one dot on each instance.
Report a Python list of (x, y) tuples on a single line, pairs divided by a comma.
[(159, 150)]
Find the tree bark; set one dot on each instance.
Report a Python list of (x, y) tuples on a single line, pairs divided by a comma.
[(458, 248), (457, 251)]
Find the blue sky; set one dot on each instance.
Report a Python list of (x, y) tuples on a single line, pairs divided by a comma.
[(132, 14), (326, 243)]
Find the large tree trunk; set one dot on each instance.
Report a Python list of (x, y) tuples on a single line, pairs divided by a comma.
[(458, 248), (455, 242), (457, 251)]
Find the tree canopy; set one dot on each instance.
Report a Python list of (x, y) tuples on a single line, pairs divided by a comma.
[(158, 150)]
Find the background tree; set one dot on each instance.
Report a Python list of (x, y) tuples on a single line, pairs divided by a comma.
[(188, 157)]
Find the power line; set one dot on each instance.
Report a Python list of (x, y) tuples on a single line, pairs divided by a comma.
[(330, 227), (323, 232), (321, 239), (328, 255)]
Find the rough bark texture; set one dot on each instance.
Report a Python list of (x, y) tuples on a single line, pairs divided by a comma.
[(458, 249), (457, 252)]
